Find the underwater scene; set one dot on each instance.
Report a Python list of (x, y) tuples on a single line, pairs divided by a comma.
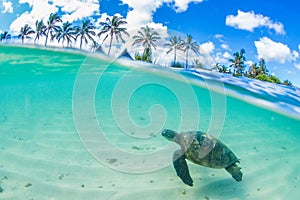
[(75, 125)]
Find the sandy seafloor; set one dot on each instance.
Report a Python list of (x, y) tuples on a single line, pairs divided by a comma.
[(42, 156)]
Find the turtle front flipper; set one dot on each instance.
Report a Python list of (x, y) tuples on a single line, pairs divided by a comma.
[(181, 168), (235, 172)]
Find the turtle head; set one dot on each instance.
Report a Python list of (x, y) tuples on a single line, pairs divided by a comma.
[(168, 134)]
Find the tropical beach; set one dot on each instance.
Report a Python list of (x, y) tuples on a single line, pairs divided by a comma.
[(85, 102)]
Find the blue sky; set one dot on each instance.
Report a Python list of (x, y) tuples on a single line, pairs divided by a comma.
[(264, 28)]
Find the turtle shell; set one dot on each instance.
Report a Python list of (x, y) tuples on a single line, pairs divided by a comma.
[(204, 149)]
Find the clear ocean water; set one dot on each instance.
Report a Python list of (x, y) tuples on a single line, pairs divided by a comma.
[(77, 125)]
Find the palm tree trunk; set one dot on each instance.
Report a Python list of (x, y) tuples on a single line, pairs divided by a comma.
[(47, 37), (186, 59), (81, 38), (111, 38), (174, 56)]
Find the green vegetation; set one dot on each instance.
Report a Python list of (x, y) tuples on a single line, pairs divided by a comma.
[(114, 28), (258, 71), (85, 32), (175, 43), (287, 83), (51, 26), (177, 65), (148, 37), (5, 36), (188, 45), (25, 32), (39, 30), (66, 33), (238, 62)]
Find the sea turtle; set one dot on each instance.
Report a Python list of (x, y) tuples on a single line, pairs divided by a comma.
[(202, 149)]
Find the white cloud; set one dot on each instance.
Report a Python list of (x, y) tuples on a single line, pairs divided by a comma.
[(249, 21), (206, 56), (297, 65), (141, 13), (274, 51), (38, 12), (249, 62), (182, 5), (142, 10), (226, 55), (219, 36), (290, 72), (219, 58), (225, 46), (206, 48), (75, 9), (295, 55), (7, 7)]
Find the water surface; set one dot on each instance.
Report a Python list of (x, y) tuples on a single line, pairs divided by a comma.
[(76, 126)]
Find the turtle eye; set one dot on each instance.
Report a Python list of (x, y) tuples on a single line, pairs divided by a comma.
[(164, 133)]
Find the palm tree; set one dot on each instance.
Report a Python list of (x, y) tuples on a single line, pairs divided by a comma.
[(262, 66), (5, 36), (85, 32), (174, 43), (51, 27), (221, 68), (189, 44), (25, 32), (253, 70), (199, 64), (287, 83), (238, 61), (112, 28), (148, 38), (39, 30), (96, 47), (65, 32)]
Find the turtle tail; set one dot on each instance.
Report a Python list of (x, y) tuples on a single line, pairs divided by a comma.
[(235, 172)]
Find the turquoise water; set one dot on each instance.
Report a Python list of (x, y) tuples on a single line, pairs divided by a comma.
[(76, 125)]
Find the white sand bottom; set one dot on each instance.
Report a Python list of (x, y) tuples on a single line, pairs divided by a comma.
[(48, 161)]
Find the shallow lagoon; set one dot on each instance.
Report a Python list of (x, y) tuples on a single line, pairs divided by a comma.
[(76, 126)]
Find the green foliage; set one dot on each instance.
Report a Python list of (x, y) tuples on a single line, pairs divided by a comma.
[(237, 74), (238, 62), (5, 36), (275, 79), (147, 37), (85, 31), (25, 31), (221, 68), (175, 43), (287, 83), (271, 78), (143, 57), (198, 64), (262, 67), (177, 65), (51, 26), (112, 28), (189, 44), (263, 77)]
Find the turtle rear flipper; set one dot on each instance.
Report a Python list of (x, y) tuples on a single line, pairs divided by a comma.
[(235, 171), (181, 168)]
